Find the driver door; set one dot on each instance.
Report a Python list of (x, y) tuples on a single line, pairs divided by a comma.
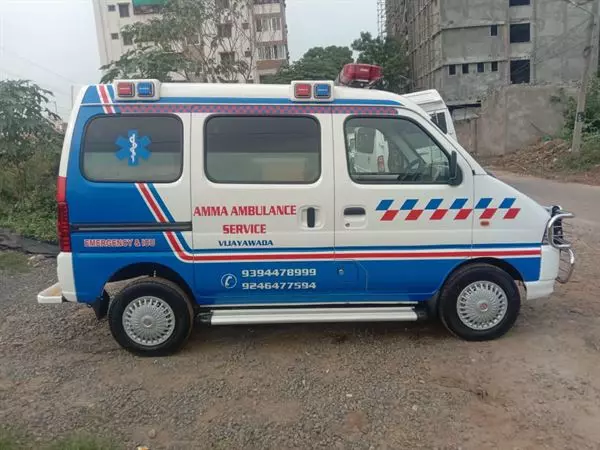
[(403, 223)]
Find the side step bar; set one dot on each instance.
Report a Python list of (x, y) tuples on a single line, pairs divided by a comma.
[(312, 315)]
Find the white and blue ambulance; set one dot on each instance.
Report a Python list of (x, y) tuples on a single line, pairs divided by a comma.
[(242, 204)]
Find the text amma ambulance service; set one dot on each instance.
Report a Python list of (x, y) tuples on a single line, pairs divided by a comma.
[(243, 204)]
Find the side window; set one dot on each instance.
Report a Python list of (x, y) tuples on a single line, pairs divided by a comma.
[(133, 149), (263, 149), (440, 120), (393, 150)]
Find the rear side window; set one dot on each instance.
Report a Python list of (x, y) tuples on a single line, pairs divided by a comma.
[(263, 149), (133, 149)]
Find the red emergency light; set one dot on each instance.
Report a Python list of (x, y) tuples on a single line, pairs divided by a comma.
[(359, 75)]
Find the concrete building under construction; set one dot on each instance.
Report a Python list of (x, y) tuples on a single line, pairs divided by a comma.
[(465, 48)]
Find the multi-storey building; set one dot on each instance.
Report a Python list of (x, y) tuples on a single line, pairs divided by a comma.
[(256, 33), (464, 48)]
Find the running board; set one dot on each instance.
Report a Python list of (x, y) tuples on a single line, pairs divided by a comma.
[(312, 315)]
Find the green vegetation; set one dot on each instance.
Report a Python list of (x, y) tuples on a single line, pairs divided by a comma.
[(320, 63), (13, 262), (11, 439), (30, 146), (589, 157)]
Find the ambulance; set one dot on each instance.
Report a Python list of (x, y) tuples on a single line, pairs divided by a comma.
[(225, 204)]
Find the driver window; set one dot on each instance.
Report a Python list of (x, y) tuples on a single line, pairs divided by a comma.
[(393, 150)]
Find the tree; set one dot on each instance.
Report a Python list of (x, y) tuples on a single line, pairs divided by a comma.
[(388, 53), (30, 144), (318, 63), (193, 40), (26, 123)]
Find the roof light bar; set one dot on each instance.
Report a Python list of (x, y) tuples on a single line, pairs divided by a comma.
[(145, 90), (312, 91)]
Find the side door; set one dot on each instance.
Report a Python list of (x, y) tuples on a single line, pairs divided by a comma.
[(263, 215), (405, 225)]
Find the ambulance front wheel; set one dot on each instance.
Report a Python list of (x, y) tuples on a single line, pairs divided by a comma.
[(479, 302), (151, 317)]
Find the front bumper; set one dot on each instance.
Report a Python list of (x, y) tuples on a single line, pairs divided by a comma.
[(556, 237), (51, 295)]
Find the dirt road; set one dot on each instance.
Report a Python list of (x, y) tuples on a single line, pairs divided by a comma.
[(333, 386)]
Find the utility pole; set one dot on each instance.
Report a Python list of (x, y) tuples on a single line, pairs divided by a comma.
[(588, 54)]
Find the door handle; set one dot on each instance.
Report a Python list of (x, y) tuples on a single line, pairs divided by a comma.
[(356, 211), (311, 217)]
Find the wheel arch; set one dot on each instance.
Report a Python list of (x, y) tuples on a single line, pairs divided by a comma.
[(137, 270), (432, 304)]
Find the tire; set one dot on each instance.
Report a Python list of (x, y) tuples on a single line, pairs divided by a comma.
[(158, 323), (486, 285)]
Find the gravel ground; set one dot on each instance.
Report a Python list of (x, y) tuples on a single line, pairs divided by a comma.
[(314, 386)]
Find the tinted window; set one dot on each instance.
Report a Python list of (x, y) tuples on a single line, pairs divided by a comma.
[(465, 68), (403, 152), (263, 149), (133, 149), (494, 30), (452, 69)]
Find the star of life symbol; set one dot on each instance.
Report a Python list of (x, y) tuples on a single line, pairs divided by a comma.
[(133, 148)]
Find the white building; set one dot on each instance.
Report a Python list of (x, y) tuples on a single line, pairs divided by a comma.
[(258, 34)]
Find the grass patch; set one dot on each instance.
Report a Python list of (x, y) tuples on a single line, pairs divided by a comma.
[(11, 439), (588, 158), (13, 262), (82, 442)]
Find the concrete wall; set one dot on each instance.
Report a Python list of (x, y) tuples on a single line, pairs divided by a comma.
[(513, 117)]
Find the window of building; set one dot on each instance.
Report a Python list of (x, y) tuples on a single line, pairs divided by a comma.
[(146, 9), (245, 26), (112, 8), (127, 39), (465, 68), (248, 54), (493, 30), (480, 67), (412, 156), (224, 30), (123, 9), (452, 69), (114, 36), (520, 32), (495, 66), (158, 157), (268, 24), (270, 52), (520, 71), (518, 2), (271, 149), (275, 23), (227, 58)]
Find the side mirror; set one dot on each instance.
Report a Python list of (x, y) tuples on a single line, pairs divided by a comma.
[(454, 176)]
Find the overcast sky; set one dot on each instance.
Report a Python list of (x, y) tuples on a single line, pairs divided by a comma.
[(53, 42)]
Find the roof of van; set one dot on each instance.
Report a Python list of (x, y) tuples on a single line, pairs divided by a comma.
[(267, 93), (430, 96)]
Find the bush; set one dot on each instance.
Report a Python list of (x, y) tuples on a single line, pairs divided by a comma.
[(29, 156)]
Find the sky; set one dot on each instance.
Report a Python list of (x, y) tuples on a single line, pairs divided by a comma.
[(53, 42)]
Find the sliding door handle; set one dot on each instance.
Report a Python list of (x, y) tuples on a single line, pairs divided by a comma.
[(356, 211)]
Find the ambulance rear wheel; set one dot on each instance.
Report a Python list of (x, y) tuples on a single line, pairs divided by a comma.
[(151, 317), (479, 302)]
